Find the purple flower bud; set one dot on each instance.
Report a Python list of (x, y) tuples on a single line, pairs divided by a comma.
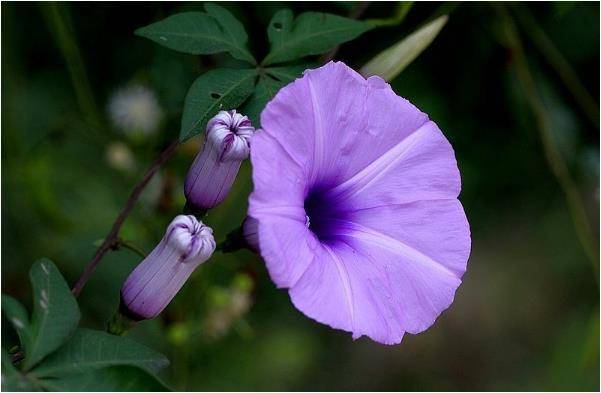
[(154, 282), (250, 231), (216, 166)]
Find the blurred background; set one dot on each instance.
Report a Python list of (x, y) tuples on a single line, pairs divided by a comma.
[(86, 106)]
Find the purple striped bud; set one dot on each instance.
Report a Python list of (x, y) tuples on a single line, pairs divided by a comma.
[(154, 282), (250, 231), (216, 166)]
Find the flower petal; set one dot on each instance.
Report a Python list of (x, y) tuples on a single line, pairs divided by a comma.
[(279, 181), (287, 246), (342, 290), (380, 182), (336, 123), (376, 286), (277, 203), (421, 166), (418, 287), (438, 229)]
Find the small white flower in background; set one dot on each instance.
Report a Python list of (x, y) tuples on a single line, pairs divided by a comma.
[(120, 157), (228, 305), (135, 110)]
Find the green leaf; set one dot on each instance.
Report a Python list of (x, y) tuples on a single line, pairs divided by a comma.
[(220, 89), (269, 84), (92, 349), (55, 313), (232, 28), (389, 63), (289, 73), (197, 33), (311, 33), (265, 89), (8, 370), (17, 315), (12, 379), (110, 379)]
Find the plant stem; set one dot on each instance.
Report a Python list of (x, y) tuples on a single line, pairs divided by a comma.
[(400, 13), (131, 246), (234, 241), (111, 239), (554, 158), (120, 324), (559, 63), (60, 25)]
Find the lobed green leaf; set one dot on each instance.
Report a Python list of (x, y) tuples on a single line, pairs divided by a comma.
[(265, 90), (289, 73), (228, 22), (269, 84), (311, 33), (220, 89), (92, 349), (198, 33), (110, 379)]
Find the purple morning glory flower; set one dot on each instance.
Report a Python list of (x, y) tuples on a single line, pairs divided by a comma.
[(154, 282), (355, 194), (215, 168)]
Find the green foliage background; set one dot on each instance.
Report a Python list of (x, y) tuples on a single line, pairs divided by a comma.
[(527, 314)]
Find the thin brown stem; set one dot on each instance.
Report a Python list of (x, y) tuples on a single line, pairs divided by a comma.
[(112, 237), (554, 158), (559, 63)]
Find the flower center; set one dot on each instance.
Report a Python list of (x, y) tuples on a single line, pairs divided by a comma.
[(324, 216)]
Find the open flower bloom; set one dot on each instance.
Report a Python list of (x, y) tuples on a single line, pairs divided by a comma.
[(215, 168), (355, 194), (154, 282)]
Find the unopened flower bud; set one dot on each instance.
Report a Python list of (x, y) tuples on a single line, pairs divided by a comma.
[(154, 282), (216, 166), (250, 231)]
